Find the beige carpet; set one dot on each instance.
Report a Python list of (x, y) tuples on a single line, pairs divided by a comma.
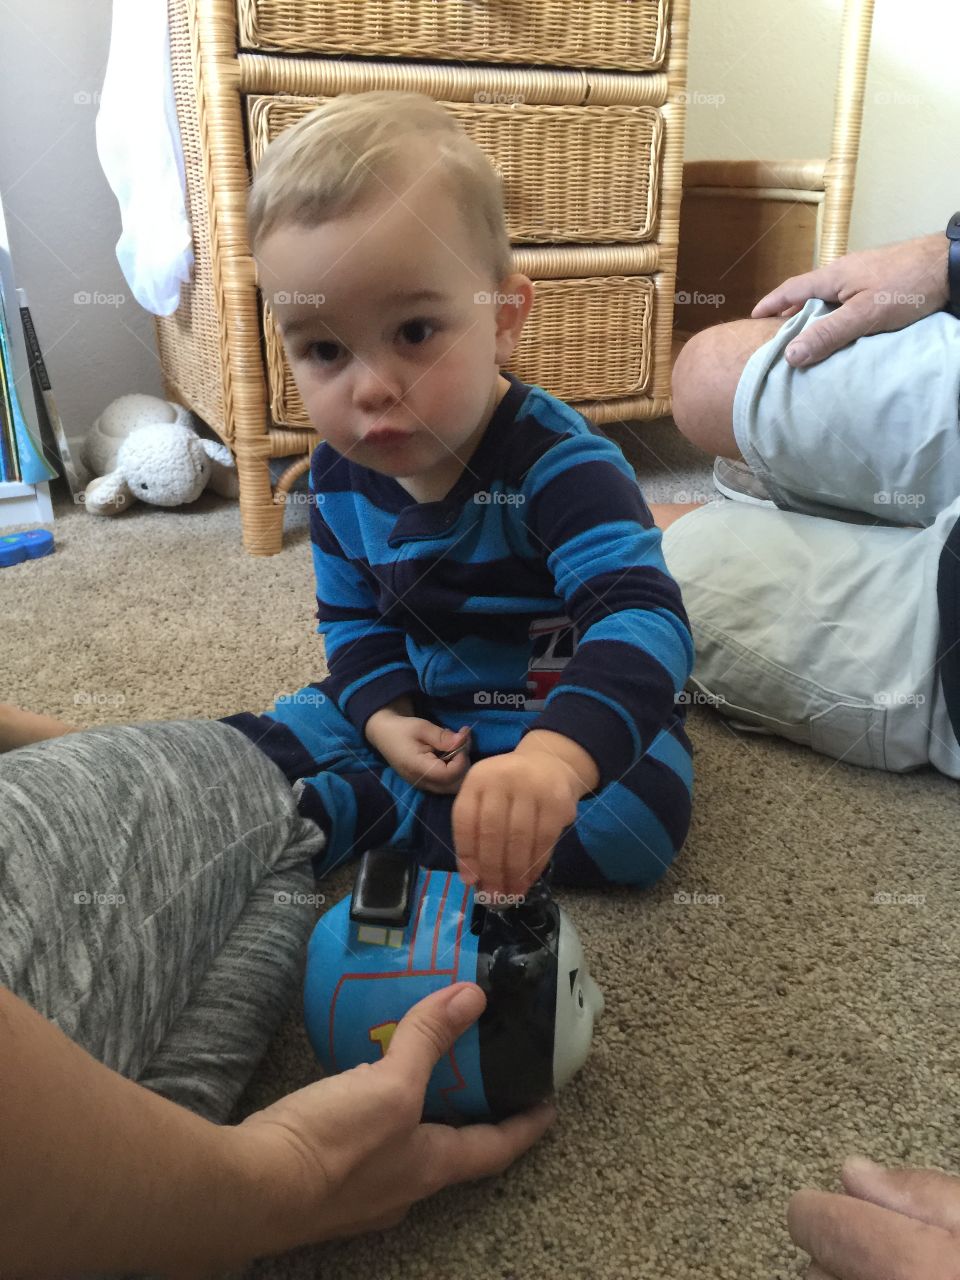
[(746, 1045)]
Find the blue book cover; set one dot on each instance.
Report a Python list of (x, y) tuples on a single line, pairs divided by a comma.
[(8, 457), (33, 467)]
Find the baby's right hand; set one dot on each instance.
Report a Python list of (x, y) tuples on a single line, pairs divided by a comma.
[(410, 746)]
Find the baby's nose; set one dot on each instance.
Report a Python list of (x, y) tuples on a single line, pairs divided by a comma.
[(376, 389)]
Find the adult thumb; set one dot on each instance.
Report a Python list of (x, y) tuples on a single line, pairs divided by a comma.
[(829, 334), (924, 1194), (429, 1029)]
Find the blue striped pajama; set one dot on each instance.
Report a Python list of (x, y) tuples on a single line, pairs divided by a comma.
[(435, 601), (627, 833)]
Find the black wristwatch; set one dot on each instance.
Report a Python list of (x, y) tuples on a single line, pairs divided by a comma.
[(953, 265)]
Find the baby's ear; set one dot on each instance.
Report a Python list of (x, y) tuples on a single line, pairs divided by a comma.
[(517, 292)]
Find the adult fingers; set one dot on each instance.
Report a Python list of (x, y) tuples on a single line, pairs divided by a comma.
[(796, 291), (816, 1272), (831, 332), (925, 1194), (357, 1225), (479, 1150), (855, 1240), (428, 1031)]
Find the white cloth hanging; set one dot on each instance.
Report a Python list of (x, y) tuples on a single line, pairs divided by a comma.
[(138, 142)]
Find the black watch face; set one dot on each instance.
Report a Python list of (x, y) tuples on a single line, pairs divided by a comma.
[(953, 227)]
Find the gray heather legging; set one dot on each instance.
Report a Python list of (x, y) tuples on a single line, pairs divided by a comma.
[(139, 868)]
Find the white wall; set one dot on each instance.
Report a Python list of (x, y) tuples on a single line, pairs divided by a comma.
[(61, 215), (772, 60), (762, 77)]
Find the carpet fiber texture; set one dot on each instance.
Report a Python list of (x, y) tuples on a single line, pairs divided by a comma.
[(764, 1014)]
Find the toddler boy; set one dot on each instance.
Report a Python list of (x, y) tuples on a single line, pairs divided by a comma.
[(458, 515)]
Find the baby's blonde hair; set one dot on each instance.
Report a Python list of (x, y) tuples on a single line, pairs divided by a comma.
[(352, 145)]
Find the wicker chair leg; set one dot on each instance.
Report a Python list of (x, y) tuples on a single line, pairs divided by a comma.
[(260, 516)]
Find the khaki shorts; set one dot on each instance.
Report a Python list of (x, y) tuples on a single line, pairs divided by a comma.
[(818, 630), (874, 428), (826, 631)]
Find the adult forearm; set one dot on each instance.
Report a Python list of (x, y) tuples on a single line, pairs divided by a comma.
[(18, 728), (99, 1173)]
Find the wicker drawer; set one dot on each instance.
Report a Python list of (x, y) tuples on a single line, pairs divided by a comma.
[(584, 339), (571, 175), (628, 35)]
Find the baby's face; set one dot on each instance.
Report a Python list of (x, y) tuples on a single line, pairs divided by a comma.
[(394, 330)]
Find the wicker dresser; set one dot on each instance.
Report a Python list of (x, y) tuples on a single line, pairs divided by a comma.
[(578, 103)]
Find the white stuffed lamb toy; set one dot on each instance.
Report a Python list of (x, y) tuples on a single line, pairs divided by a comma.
[(144, 447)]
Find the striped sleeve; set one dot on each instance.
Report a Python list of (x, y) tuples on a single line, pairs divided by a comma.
[(585, 513), (367, 658)]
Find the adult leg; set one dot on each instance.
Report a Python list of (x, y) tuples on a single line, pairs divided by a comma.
[(705, 380), (155, 894), (824, 632), (871, 431)]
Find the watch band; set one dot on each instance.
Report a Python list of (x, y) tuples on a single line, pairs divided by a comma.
[(953, 265)]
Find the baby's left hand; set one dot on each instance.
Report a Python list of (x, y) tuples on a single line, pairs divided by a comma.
[(508, 815)]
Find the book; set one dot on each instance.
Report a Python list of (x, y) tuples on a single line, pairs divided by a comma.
[(34, 469), (9, 465), (56, 445)]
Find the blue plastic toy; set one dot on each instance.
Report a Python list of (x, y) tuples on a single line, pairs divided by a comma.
[(408, 931), (16, 547)]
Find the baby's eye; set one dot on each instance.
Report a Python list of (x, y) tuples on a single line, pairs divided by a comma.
[(417, 331), (323, 352)]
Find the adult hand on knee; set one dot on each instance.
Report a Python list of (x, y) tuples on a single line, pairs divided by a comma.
[(902, 1222), (350, 1154), (880, 291)]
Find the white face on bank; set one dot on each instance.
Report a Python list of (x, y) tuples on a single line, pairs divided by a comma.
[(579, 1003)]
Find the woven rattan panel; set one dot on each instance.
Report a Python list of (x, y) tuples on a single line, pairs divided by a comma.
[(582, 335), (570, 174), (189, 341), (625, 34)]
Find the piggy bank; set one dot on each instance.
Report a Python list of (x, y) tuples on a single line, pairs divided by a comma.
[(408, 931)]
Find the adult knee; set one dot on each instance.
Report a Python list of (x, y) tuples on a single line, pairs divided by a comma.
[(705, 379)]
